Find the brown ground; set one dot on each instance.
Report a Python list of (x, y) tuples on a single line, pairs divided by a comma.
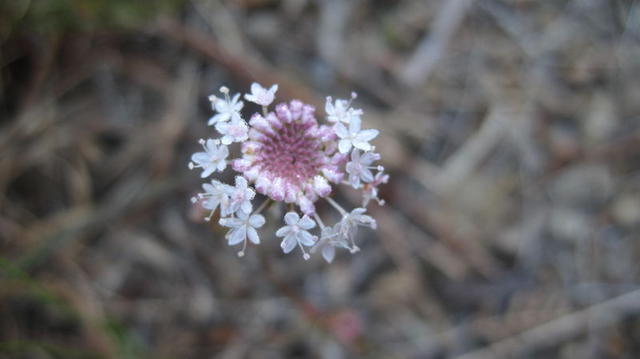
[(511, 129)]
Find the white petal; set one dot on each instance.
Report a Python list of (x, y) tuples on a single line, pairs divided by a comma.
[(328, 253), (237, 235), (249, 193), (372, 222), (365, 146), (242, 217), (250, 98), (256, 220), (255, 88), (252, 234), (237, 105), (210, 204), (225, 188), (226, 140), (223, 151), (328, 106), (354, 125), (355, 156), (222, 106), (354, 180), (367, 135), (207, 172), (222, 127), (291, 218), (366, 175), (221, 117), (288, 244), (225, 208), (341, 130), (306, 238), (246, 207), (230, 222), (344, 146), (368, 158), (241, 182), (208, 187), (306, 222), (211, 145), (200, 157), (352, 167), (283, 231)]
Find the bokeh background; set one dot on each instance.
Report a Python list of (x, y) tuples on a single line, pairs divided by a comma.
[(510, 128)]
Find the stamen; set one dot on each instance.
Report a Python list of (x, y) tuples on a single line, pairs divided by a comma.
[(244, 248), (353, 97), (305, 255)]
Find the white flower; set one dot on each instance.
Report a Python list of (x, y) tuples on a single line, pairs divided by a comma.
[(329, 241), (326, 245), (340, 111), (260, 95), (240, 197), (296, 233), (243, 227), (212, 159), (234, 131), (353, 136), (215, 194), (359, 167), (370, 190), (290, 158), (228, 109), (348, 226), (358, 218)]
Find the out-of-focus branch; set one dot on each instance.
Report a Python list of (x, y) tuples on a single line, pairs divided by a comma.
[(561, 329), (433, 45)]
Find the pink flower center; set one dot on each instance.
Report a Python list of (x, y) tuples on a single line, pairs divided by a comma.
[(291, 154)]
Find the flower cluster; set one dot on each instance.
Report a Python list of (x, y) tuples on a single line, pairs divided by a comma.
[(288, 157)]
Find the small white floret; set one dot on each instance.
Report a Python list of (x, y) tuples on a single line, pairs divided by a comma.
[(260, 95)]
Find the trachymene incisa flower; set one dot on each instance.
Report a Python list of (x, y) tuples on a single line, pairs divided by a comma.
[(286, 156)]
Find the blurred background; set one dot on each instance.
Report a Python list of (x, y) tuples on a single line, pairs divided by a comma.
[(510, 128)]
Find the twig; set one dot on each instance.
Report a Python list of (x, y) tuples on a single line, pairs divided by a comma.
[(558, 330), (465, 160), (77, 221), (432, 46)]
